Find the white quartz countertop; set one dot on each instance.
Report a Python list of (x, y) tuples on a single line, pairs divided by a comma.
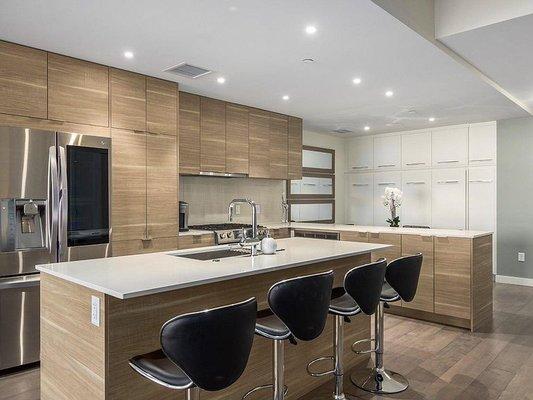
[(143, 274), (380, 229)]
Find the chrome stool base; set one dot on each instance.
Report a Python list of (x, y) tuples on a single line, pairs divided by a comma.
[(380, 381)]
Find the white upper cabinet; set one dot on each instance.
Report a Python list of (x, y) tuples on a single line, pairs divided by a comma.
[(360, 199), (387, 153), (317, 159), (482, 144), (416, 201), (416, 150), (449, 147), (482, 198), (361, 153), (383, 180), (448, 198)]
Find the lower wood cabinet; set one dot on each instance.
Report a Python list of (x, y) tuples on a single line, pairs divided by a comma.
[(131, 247), (413, 244), (354, 236), (386, 238), (282, 233), (194, 241)]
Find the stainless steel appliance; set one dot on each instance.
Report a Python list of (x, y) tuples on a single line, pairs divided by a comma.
[(227, 233), (54, 206), (184, 216)]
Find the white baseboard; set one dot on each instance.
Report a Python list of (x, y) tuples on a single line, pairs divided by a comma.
[(513, 280)]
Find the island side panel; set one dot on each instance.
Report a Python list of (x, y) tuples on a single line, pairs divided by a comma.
[(133, 327), (482, 283), (72, 349)]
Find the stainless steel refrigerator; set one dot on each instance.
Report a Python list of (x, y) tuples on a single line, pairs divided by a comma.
[(54, 206)]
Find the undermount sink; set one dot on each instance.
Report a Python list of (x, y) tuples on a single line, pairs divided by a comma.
[(214, 254)]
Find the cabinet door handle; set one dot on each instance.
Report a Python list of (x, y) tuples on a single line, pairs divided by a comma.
[(386, 165), (480, 159), (359, 166), (447, 161), (481, 181), (415, 183), (359, 184), (415, 163), (450, 181), (309, 184), (386, 183)]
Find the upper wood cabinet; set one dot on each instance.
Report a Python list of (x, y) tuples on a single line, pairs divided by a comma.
[(128, 100), (295, 148), (212, 135), (23, 80), (279, 131), (161, 106), (189, 133), (236, 139), (259, 131), (77, 91)]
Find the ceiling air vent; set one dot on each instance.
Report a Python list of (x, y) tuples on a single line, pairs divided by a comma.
[(342, 130), (188, 70)]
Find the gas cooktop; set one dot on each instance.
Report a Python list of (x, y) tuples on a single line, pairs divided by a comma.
[(228, 232), (221, 227)]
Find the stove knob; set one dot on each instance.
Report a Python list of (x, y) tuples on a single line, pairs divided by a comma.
[(230, 234), (221, 235)]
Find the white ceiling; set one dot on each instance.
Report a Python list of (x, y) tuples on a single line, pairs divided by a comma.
[(503, 51), (258, 46)]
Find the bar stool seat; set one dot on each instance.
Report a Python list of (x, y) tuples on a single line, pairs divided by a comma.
[(343, 304), (388, 294), (270, 326), (157, 367)]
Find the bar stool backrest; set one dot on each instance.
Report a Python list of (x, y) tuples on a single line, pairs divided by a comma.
[(302, 303), (403, 274), (364, 284), (212, 346)]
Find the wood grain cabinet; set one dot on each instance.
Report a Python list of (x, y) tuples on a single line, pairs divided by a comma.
[(279, 131), (386, 238), (78, 91), (189, 133), (295, 148), (23, 80), (161, 106), (413, 244), (354, 236), (237, 148), (259, 142), (195, 241), (128, 100), (212, 135)]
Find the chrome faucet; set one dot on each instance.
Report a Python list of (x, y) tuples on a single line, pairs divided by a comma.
[(254, 240)]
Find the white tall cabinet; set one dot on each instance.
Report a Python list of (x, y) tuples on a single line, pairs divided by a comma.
[(361, 154), (482, 198), (449, 147), (416, 150), (416, 207), (359, 203), (448, 198)]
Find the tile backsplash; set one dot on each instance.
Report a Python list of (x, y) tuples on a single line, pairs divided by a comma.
[(209, 197)]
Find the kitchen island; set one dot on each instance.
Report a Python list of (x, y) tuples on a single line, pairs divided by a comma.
[(96, 314)]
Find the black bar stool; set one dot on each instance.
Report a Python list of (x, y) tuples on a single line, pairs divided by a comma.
[(360, 293), (298, 310), (205, 350), (401, 282)]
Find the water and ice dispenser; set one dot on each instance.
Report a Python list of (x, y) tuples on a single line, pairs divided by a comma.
[(22, 224)]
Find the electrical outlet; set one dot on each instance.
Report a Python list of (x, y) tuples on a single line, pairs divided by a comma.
[(521, 257), (95, 310)]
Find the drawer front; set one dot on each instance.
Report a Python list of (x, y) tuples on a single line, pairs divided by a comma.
[(282, 233), (413, 244), (194, 241), (386, 238), (354, 236)]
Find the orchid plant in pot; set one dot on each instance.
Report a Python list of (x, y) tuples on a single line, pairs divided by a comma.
[(392, 199)]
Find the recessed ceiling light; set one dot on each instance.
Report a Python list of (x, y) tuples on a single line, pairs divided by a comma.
[(310, 29), (128, 54), (357, 81), (286, 97), (431, 119), (389, 93), (221, 79), (367, 128)]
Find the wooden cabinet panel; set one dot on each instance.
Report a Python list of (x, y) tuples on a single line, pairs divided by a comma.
[(161, 106), (212, 135), (128, 100), (482, 282), (281, 233), (295, 148), (189, 133), (354, 236), (452, 276), (413, 244), (161, 186), (259, 144), (194, 241), (279, 130), (23, 80), (386, 238), (137, 246), (78, 91), (128, 185), (236, 139)]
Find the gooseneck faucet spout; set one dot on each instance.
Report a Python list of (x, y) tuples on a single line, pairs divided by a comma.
[(255, 237)]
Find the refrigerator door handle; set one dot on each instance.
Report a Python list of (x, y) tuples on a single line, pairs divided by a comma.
[(63, 205), (52, 203)]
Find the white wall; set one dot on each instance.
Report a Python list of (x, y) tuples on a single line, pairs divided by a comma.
[(337, 144)]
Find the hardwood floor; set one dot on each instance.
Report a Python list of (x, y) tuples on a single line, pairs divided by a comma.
[(441, 363)]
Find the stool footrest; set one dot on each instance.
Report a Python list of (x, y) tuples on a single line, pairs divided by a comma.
[(357, 343), (323, 373), (262, 387)]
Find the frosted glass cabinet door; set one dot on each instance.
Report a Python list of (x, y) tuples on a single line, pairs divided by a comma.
[(448, 198), (360, 199), (416, 150), (387, 152), (383, 180), (325, 212), (449, 147), (360, 153), (481, 198), (482, 144), (317, 159), (416, 205), (309, 212), (295, 212)]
